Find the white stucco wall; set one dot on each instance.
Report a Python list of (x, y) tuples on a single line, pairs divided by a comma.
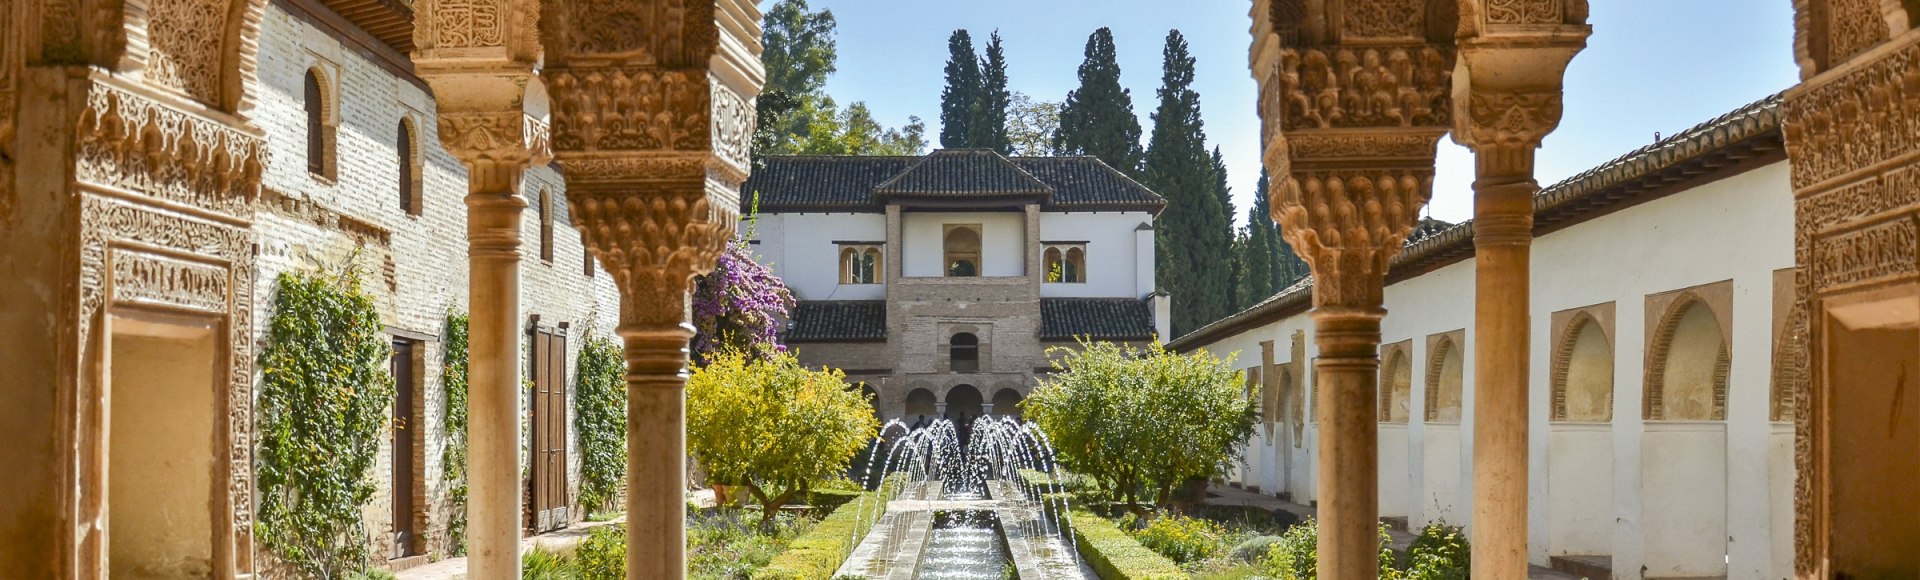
[(802, 250), (1739, 228), (1003, 240), (1114, 268)]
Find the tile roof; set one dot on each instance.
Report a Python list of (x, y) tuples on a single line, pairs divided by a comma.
[(963, 173), (838, 321), (823, 183), (1096, 318)]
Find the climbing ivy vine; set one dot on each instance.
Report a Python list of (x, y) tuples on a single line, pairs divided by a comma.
[(453, 457), (322, 415), (600, 414)]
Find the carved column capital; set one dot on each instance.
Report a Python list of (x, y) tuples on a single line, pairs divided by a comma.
[(1348, 223), (654, 237)]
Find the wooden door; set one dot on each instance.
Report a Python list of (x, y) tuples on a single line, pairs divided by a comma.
[(549, 426), (406, 533)]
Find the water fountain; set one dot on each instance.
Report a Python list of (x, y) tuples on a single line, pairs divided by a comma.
[(978, 511)]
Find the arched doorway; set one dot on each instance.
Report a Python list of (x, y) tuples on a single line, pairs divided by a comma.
[(1683, 453), (873, 401), (963, 404), (1580, 441), (920, 408), (1006, 403)]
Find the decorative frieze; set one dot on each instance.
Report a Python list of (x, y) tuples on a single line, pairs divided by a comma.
[(130, 142), (140, 277), (1364, 86), (1887, 250), (1525, 11), (1868, 118), (630, 109)]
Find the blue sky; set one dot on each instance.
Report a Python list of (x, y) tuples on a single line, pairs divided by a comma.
[(1651, 66)]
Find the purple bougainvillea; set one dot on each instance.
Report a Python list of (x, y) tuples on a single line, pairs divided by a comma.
[(739, 306)]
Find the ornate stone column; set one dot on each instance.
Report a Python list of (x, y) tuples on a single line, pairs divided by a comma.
[(652, 124), (1354, 98), (1852, 130), (1512, 57), (479, 58)]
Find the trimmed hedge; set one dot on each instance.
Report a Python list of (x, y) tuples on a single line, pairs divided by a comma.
[(819, 553), (1116, 555)]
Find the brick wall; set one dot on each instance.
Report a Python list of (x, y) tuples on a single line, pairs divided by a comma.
[(415, 265)]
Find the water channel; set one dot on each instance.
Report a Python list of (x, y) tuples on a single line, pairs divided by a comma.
[(965, 503)]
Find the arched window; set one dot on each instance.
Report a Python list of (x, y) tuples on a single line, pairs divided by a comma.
[(409, 156), (546, 225), (1445, 375), (1688, 374), (1396, 388), (1076, 266), (963, 353), (1583, 373), (319, 126), (962, 244), (859, 264), (1066, 262)]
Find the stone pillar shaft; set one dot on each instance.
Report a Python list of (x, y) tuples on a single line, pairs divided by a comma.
[(1503, 236), (656, 439), (1350, 439), (493, 404)]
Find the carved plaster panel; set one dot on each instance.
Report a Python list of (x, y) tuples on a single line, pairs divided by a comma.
[(1384, 86), (630, 109), (1867, 118), (207, 267), (1525, 11), (133, 143)]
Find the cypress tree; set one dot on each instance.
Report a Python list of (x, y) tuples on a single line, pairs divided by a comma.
[(963, 89), (1196, 234), (1287, 267), (1097, 119), (1259, 281), (988, 129)]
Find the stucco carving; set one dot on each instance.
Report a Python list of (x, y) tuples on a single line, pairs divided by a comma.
[(200, 285), (653, 242), (133, 143), (1525, 11), (1863, 119), (630, 109), (1368, 86), (1512, 118), (184, 38), (1885, 250), (1347, 225), (1396, 19)]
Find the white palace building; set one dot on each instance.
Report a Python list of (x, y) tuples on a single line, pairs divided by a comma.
[(1661, 432)]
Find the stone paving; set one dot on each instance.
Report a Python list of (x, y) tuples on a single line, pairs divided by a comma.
[(558, 541)]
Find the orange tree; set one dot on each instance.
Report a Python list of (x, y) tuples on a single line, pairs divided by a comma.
[(1142, 418), (767, 423)]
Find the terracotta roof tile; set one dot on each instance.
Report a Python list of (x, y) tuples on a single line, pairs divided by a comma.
[(819, 183)]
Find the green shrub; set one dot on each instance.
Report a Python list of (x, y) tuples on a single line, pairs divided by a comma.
[(817, 554), (603, 556), (1441, 552), (373, 574), (1182, 539), (723, 545), (600, 417), (1114, 554), (322, 415), (453, 381), (543, 564), (1255, 549), (1295, 556)]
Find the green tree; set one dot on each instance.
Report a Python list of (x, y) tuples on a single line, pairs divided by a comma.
[(1031, 125), (1195, 235), (1135, 418), (324, 396), (773, 425), (1287, 267), (988, 129), (795, 115), (600, 418), (963, 90), (1097, 119)]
